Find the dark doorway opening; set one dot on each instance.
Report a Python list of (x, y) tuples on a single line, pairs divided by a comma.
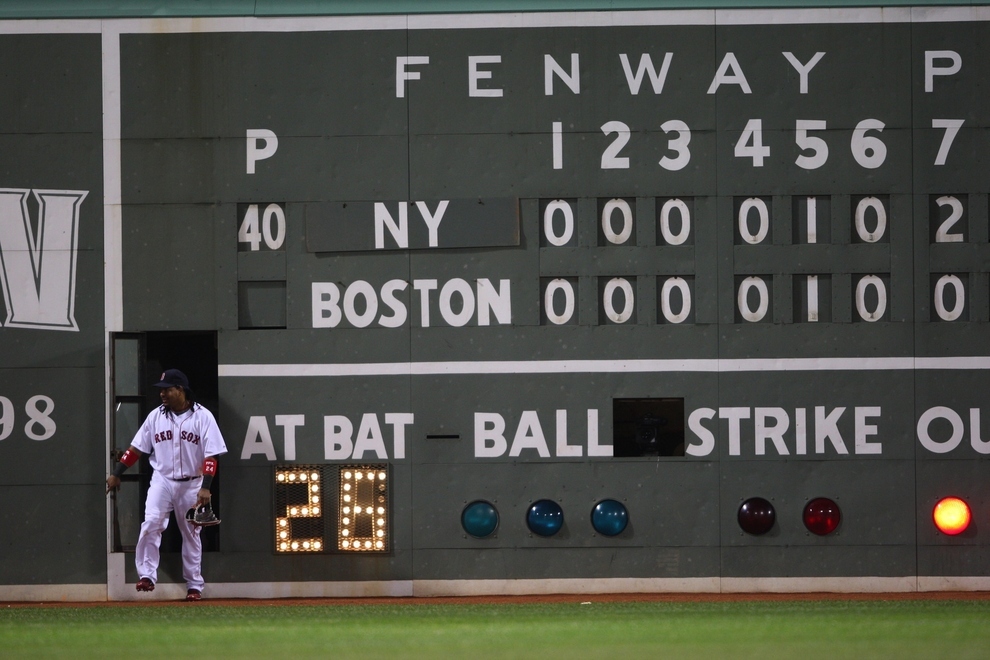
[(194, 354)]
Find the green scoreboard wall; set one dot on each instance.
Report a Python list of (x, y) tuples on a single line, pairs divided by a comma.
[(673, 260)]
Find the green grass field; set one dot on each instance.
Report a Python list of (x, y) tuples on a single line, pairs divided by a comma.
[(762, 629)]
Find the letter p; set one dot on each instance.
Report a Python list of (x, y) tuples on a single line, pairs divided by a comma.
[(931, 70), (255, 152)]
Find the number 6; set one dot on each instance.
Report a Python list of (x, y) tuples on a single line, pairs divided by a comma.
[(868, 151)]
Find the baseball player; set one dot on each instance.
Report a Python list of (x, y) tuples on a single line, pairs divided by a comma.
[(183, 441)]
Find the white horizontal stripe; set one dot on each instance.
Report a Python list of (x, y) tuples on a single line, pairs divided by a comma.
[(949, 14), (256, 24), (508, 587), (433, 588), (54, 593), (533, 586), (967, 362), (57, 26), (954, 583), (818, 364), (561, 19), (597, 18), (646, 18), (839, 15), (601, 366), (848, 585)]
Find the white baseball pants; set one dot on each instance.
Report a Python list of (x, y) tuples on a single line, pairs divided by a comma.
[(165, 496)]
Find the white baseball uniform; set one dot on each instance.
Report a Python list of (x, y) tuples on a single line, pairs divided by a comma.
[(177, 445)]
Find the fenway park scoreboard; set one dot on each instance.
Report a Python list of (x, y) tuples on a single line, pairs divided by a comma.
[(650, 300)]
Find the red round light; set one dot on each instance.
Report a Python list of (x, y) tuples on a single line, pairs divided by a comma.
[(951, 516), (756, 516), (821, 516)]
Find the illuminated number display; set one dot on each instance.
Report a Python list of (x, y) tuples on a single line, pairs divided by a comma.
[(299, 525), (363, 508)]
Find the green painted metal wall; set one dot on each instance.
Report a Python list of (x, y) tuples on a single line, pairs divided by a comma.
[(882, 414)]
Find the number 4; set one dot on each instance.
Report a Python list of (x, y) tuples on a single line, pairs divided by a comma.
[(750, 144), (250, 231)]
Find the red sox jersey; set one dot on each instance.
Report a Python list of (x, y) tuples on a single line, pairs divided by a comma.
[(177, 444)]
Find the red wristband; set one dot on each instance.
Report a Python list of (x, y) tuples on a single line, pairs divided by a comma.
[(210, 466), (129, 457)]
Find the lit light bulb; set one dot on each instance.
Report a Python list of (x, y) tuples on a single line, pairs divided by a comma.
[(345, 544), (381, 510), (281, 476), (345, 532), (347, 498), (317, 545), (293, 511), (347, 487), (381, 533), (283, 535), (347, 475), (367, 544), (359, 476), (346, 521), (283, 546), (315, 499), (315, 476), (295, 545), (305, 510), (952, 516), (371, 476), (347, 509), (313, 488), (379, 545), (282, 522), (316, 510), (381, 522), (305, 545), (303, 476), (381, 475), (292, 476), (357, 509)]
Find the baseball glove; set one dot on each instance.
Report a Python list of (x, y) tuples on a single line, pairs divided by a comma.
[(202, 516)]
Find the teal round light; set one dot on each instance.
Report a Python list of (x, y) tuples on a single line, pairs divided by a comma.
[(609, 517), (479, 519), (545, 517)]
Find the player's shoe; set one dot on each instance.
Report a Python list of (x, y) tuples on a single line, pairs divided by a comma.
[(144, 584), (194, 594)]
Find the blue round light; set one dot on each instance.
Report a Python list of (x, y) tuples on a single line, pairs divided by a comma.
[(545, 517), (609, 517), (479, 519)]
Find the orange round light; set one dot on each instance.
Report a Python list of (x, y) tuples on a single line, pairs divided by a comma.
[(951, 516)]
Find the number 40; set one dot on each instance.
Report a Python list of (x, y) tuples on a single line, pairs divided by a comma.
[(271, 227)]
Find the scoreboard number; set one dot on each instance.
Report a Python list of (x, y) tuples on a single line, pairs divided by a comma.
[(363, 508), (299, 526), (867, 149), (301, 509), (257, 226)]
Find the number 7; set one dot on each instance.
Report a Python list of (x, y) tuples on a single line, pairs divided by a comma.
[(951, 127)]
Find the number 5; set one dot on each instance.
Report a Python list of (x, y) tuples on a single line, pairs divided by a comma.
[(816, 144)]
